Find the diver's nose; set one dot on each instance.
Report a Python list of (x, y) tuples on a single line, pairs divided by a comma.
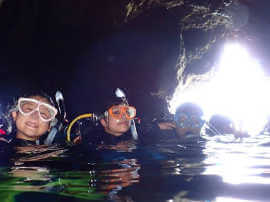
[(124, 116), (35, 114)]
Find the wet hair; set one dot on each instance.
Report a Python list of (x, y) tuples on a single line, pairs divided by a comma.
[(40, 94), (187, 108), (109, 103), (106, 105)]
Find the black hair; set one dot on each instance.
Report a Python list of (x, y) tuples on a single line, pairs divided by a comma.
[(29, 94), (110, 102), (187, 107), (40, 94)]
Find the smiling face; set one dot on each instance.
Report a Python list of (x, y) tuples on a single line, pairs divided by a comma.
[(116, 127), (31, 127)]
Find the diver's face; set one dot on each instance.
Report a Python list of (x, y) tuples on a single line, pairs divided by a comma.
[(31, 127), (116, 127), (188, 123)]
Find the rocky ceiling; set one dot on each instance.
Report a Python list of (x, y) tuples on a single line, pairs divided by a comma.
[(203, 25)]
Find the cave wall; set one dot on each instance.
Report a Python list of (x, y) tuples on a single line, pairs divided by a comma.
[(144, 46)]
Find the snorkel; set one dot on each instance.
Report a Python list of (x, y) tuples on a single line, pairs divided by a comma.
[(59, 98), (120, 94)]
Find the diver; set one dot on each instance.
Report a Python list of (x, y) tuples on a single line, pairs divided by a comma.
[(188, 119), (114, 125), (222, 125), (185, 124), (33, 116)]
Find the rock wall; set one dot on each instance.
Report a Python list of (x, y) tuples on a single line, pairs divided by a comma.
[(56, 34)]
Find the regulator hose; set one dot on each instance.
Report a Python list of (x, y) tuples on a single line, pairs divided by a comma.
[(82, 116)]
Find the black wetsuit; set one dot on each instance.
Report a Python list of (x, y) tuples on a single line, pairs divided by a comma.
[(98, 136), (12, 141), (147, 133), (152, 134), (22, 143), (8, 144), (6, 151)]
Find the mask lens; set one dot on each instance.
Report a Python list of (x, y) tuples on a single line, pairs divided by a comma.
[(115, 112), (130, 112), (118, 112), (189, 121), (181, 118), (27, 106), (45, 112)]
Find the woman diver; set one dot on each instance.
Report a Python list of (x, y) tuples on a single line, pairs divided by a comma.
[(33, 116)]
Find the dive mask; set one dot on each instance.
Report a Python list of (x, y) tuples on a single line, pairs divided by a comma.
[(28, 106), (118, 111), (184, 120)]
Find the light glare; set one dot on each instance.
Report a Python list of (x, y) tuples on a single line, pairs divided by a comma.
[(237, 90)]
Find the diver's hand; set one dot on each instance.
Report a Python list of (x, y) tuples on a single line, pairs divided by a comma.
[(166, 125), (77, 140)]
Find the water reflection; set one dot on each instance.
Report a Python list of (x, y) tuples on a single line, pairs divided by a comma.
[(111, 181), (25, 179), (218, 169), (35, 171), (36, 153), (42, 170), (239, 162), (223, 199)]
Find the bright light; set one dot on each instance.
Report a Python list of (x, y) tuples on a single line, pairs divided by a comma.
[(223, 199), (244, 163), (238, 90)]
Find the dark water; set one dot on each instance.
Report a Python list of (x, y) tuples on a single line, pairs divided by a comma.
[(211, 169)]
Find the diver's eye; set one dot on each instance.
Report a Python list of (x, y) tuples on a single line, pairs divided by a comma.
[(128, 112), (28, 107), (45, 112), (116, 111), (45, 115)]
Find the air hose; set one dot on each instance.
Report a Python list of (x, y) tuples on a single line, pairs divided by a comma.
[(82, 116)]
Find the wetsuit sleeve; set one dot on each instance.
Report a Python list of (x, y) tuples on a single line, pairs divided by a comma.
[(149, 132)]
